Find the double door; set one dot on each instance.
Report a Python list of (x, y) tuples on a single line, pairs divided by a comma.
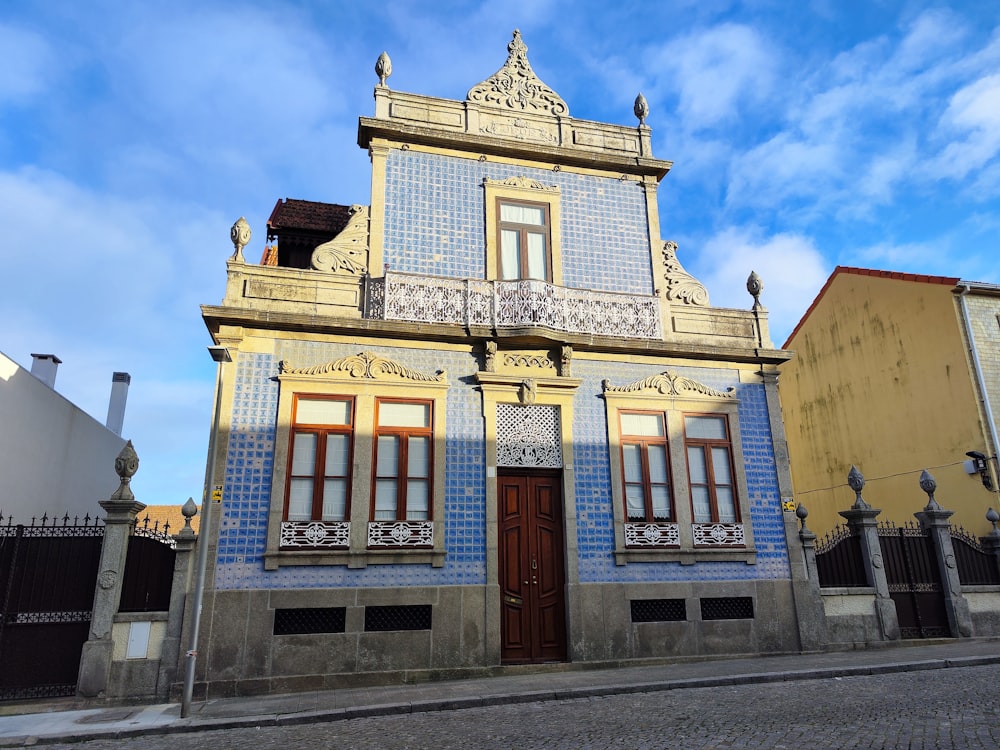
[(532, 577)]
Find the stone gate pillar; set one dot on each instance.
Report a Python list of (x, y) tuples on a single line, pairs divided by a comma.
[(122, 509), (183, 567), (812, 618), (934, 520), (861, 519)]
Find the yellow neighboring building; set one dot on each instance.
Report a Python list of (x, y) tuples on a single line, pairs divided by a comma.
[(894, 373)]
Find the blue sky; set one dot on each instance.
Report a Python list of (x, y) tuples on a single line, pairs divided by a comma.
[(131, 138)]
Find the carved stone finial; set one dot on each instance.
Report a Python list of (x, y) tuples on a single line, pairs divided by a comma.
[(515, 85), (755, 286), (856, 480), (240, 235), (189, 510), (126, 465), (641, 108), (800, 513), (928, 485), (383, 67), (491, 356), (992, 516)]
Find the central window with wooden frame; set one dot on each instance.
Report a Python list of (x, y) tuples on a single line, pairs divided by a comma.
[(522, 230), (524, 240), (710, 469), (645, 472), (401, 490), (319, 474)]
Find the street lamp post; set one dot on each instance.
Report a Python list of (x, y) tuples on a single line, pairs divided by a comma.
[(220, 355)]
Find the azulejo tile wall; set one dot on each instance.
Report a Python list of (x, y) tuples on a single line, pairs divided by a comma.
[(435, 221), (592, 473), (249, 464), (250, 461)]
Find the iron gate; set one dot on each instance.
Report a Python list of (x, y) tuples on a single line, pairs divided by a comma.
[(48, 572), (914, 580)]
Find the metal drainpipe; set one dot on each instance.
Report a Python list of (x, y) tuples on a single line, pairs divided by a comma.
[(984, 397), (220, 355)]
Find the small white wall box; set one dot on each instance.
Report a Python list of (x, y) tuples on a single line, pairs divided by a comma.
[(138, 640)]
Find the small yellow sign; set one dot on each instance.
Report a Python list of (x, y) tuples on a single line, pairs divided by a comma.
[(788, 505), (217, 494)]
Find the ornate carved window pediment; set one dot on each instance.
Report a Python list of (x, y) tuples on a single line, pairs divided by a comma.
[(669, 383), (364, 365)]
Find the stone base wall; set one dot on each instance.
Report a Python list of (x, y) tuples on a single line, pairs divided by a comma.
[(850, 616), (243, 656)]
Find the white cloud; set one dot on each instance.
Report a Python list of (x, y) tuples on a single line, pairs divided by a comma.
[(28, 63), (715, 72), (792, 268), (973, 115)]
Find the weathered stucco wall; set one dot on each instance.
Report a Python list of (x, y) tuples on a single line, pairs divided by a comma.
[(880, 379)]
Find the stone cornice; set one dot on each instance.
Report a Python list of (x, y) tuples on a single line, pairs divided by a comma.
[(370, 128), (216, 317)]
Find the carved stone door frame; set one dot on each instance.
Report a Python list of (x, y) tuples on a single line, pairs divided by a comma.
[(554, 391)]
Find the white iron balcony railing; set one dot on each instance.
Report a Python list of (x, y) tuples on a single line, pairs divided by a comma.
[(512, 304)]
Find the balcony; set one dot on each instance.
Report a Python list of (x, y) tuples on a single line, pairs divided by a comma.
[(512, 304)]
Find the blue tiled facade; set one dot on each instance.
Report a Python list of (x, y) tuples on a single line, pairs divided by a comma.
[(249, 466), (435, 216)]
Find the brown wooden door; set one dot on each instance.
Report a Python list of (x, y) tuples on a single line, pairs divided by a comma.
[(533, 616)]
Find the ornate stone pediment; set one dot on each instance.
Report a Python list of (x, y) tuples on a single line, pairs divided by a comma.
[(681, 286), (522, 182), (669, 384), (365, 365), (515, 86), (348, 251)]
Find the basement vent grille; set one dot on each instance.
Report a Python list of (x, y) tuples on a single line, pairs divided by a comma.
[(658, 610), (727, 608), (309, 620), (412, 617)]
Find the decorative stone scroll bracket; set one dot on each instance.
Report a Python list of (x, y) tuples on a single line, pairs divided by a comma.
[(348, 251), (681, 286)]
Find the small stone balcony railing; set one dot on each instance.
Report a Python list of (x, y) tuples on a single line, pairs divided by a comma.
[(512, 304)]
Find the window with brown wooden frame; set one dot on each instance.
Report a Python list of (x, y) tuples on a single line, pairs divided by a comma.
[(401, 490), (645, 472), (319, 463), (710, 469), (524, 240)]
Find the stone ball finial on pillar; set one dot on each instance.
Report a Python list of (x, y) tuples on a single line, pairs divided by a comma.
[(641, 108), (126, 465), (755, 286), (856, 481), (383, 67), (240, 235), (928, 485), (189, 510), (800, 513), (992, 516)]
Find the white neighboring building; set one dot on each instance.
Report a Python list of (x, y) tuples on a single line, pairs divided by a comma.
[(54, 457)]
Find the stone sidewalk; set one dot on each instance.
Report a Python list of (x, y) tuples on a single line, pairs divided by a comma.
[(64, 721)]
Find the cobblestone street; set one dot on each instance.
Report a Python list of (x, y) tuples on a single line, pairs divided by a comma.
[(949, 708)]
